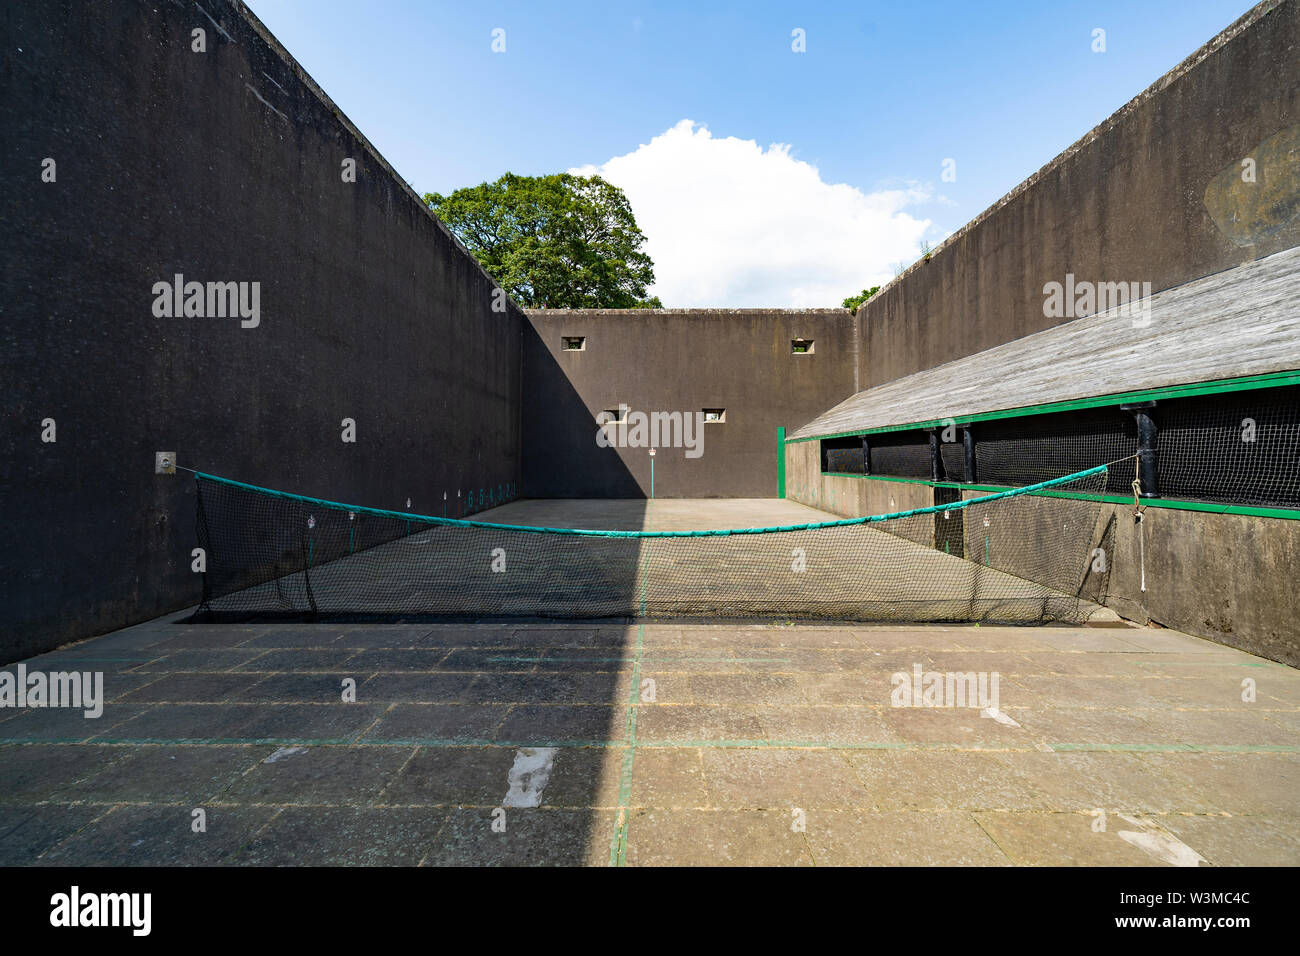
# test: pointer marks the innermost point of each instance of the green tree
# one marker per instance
(553, 242)
(854, 302)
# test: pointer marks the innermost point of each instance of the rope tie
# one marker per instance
(1139, 516)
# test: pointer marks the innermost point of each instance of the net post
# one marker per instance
(936, 457)
(780, 461)
(866, 454)
(968, 447)
(1148, 439)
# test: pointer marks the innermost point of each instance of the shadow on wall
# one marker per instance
(560, 457)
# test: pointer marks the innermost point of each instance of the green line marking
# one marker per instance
(443, 742)
(648, 660)
(1214, 387)
(618, 843)
(90, 660)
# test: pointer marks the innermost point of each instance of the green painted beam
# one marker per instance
(1221, 386)
(780, 462)
(1174, 504)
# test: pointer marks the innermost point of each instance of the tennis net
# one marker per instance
(1020, 556)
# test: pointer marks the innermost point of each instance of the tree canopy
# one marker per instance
(553, 242)
(854, 302)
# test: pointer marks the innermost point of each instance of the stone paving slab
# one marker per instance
(673, 742)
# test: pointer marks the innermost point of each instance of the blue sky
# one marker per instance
(884, 93)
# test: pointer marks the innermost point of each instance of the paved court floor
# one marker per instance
(592, 743)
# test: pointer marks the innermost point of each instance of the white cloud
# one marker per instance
(730, 224)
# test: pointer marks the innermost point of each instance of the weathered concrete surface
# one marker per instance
(225, 165)
(1231, 578)
(637, 514)
(682, 360)
(1154, 194)
(1113, 746)
(747, 726)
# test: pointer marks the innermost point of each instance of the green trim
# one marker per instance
(1211, 507)
(780, 462)
(1220, 386)
(618, 842)
(1173, 504)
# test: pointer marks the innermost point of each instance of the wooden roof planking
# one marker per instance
(1244, 321)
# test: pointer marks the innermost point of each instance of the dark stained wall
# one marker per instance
(669, 360)
(224, 165)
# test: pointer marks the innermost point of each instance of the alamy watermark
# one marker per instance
(209, 300)
(77, 908)
(944, 689)
(1076, 298)
(633, 429)
(24, 688)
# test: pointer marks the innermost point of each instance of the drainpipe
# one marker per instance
(1148, 471)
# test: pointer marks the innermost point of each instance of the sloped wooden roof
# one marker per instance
(1244, 321)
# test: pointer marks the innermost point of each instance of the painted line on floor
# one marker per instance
(618, 842)
(633, 660)
(630, 742)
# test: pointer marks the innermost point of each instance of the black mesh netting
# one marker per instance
(1017, 557)
(1016, 451)
(1241, 447)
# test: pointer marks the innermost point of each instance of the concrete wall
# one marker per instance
(1154, 194)
(223, 166)
(1228, 578)
(676, 360)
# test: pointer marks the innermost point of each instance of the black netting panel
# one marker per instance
(842, 455)
(954, 461)
(901, 454)
(1023, 451)
(1236, 447)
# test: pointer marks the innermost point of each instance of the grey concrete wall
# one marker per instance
(223, 166)
(1154, 194)
(675, 360)
(1228, 578)
(850, 497)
